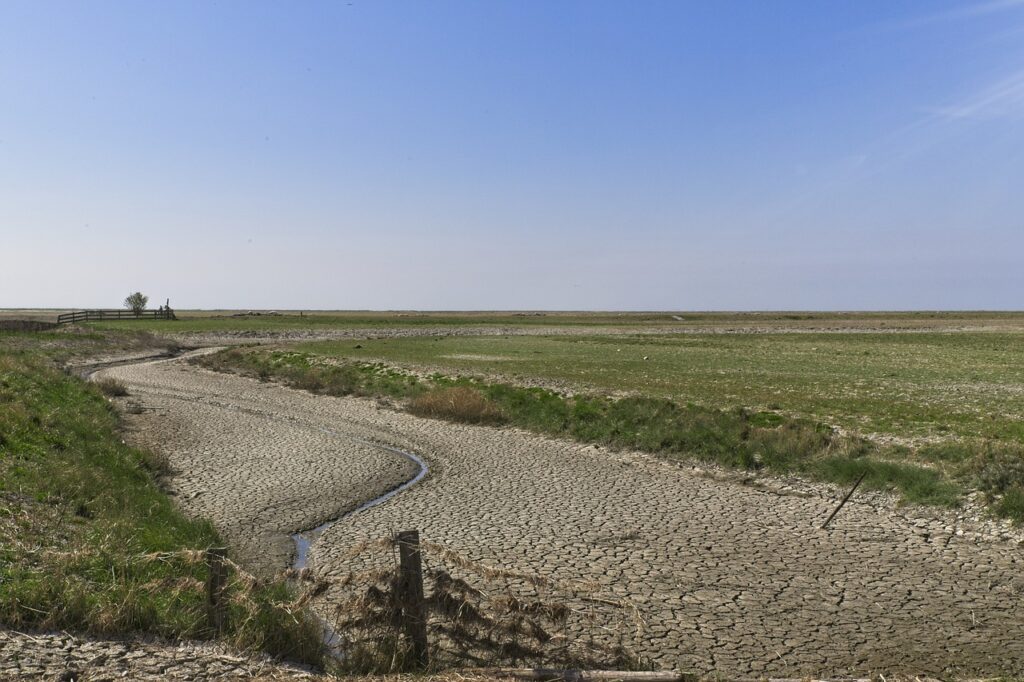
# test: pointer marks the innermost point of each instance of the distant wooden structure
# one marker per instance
(163, 313)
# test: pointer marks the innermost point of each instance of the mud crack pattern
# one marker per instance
(729, 579)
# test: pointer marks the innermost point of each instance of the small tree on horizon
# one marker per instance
(136, 302)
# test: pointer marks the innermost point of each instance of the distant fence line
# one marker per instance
(91, 315)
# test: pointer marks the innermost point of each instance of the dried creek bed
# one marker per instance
(730, 579)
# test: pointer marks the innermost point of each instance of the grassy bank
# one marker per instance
(91, 543)
(936, 473)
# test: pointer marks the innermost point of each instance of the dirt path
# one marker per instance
(730, 579)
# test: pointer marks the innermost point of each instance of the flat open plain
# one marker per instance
(730, 579)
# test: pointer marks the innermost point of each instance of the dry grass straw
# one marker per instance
(479, 615)
(458, 404)
(112, 388)
(249, 598)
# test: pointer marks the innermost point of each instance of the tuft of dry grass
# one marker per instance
(478, 615)
(158, 463)
(459, 404)
(112, 388)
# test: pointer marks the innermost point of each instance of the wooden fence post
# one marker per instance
(410, 586)
(216, 581)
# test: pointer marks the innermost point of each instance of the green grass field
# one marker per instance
(912, 385)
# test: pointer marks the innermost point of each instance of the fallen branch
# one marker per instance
(845, 499)
(552, 675)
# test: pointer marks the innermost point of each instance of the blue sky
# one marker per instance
(513, 155)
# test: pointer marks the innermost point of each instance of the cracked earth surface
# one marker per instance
(729, 579)
(60, 656)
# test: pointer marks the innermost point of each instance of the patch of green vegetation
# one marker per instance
(736, 437)
(922, 385)
(296, 369)
(91, 543)
(917, 484)
(953, 452)
(1011, 505)
(1000, 475)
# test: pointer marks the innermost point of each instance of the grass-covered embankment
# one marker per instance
(912, 386)
(90, 542)
(737, 438)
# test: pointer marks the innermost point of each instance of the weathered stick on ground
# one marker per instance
(845, 499)
(552, 675)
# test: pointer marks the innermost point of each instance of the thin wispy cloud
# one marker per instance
(1003, 99)
(967, 12)
(937, 126)
(1000, 100)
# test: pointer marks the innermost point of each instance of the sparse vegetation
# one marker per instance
(924, 386)
(736, 438)
(111, 387)
(475, 618)
(1000, 475)
(230, 320)
(295, 369)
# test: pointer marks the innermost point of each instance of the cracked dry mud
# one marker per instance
(60, 656)
(731, 580)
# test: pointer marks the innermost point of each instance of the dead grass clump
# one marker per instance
(457, 404)
(478, 615)
(158, 463)
(112, 387)
(151, 340)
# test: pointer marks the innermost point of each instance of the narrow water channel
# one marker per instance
(304, 540)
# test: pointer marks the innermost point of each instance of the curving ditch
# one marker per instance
(304, 539)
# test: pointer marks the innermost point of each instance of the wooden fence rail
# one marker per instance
(90, 315)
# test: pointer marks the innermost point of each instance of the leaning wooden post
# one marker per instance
(410, 586)
(845, 500)
(216, 581)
